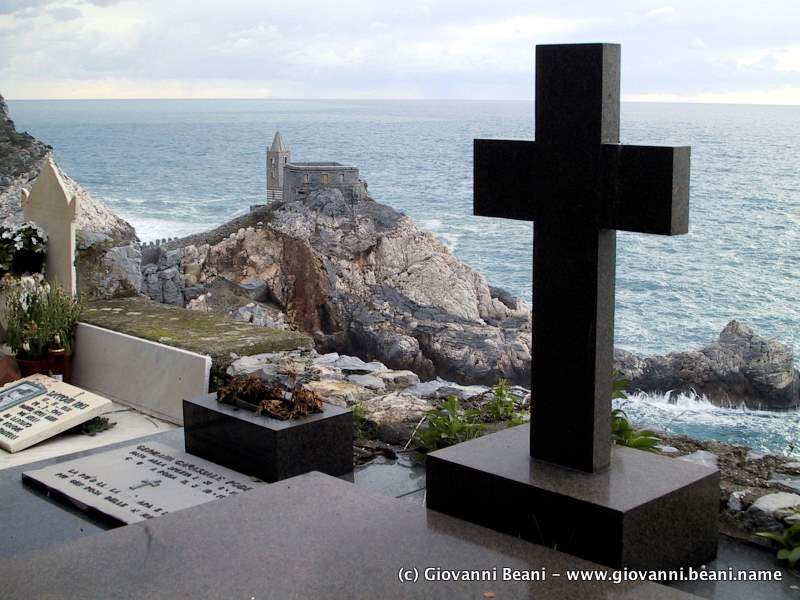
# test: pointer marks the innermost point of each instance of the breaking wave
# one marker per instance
(696, 416)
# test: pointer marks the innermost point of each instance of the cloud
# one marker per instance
(122, 88)
(784, 95)
(661, 11)
(351, 48)
(30, 7)
(789, 60)
(418, 11)
(786, 59)
(8, 7)
(697, 44)
(64, 13)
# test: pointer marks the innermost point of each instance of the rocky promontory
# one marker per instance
(358, 276)
(362, 279)
(21, 158)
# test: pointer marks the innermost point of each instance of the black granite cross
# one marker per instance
(578, 185)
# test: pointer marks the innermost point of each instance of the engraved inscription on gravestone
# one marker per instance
(39, 407)
(140, 482)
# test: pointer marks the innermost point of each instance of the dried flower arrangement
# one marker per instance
(249, 391)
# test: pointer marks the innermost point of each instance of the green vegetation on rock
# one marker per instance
(503, 406)
(449, 425)
(452, 425)
(789, 542)
(623, 433)
(363, 428)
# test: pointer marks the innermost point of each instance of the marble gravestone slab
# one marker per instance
(139, 482)
(38, 407)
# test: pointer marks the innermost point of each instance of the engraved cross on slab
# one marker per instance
(146, 482)
(578, 185)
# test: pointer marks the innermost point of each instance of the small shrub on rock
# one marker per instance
(449, 425)
(503, 405)
(623, 432)
(789, 542)
(363, 428)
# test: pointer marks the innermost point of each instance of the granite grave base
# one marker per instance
(312, 536)
(645, 512)
(268, 448)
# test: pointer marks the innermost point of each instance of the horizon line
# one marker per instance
(173, 99)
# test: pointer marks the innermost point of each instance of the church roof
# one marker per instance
(277, 143)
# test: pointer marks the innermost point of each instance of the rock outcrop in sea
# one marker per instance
(21, 158)
(740, 367)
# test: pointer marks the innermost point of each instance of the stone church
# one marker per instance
(290, 181)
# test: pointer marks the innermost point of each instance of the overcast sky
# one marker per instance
(699, 50)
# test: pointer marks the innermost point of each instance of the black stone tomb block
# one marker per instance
(268, 448)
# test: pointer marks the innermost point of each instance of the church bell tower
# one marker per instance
(277, 159)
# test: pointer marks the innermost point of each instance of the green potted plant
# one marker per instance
(41, 326)
(63, 311)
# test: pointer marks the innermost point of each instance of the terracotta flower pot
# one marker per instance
(60, 364)
(32, 366)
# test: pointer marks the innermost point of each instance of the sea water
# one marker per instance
(173, 167)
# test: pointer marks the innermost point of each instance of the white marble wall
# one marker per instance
(148, 376)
